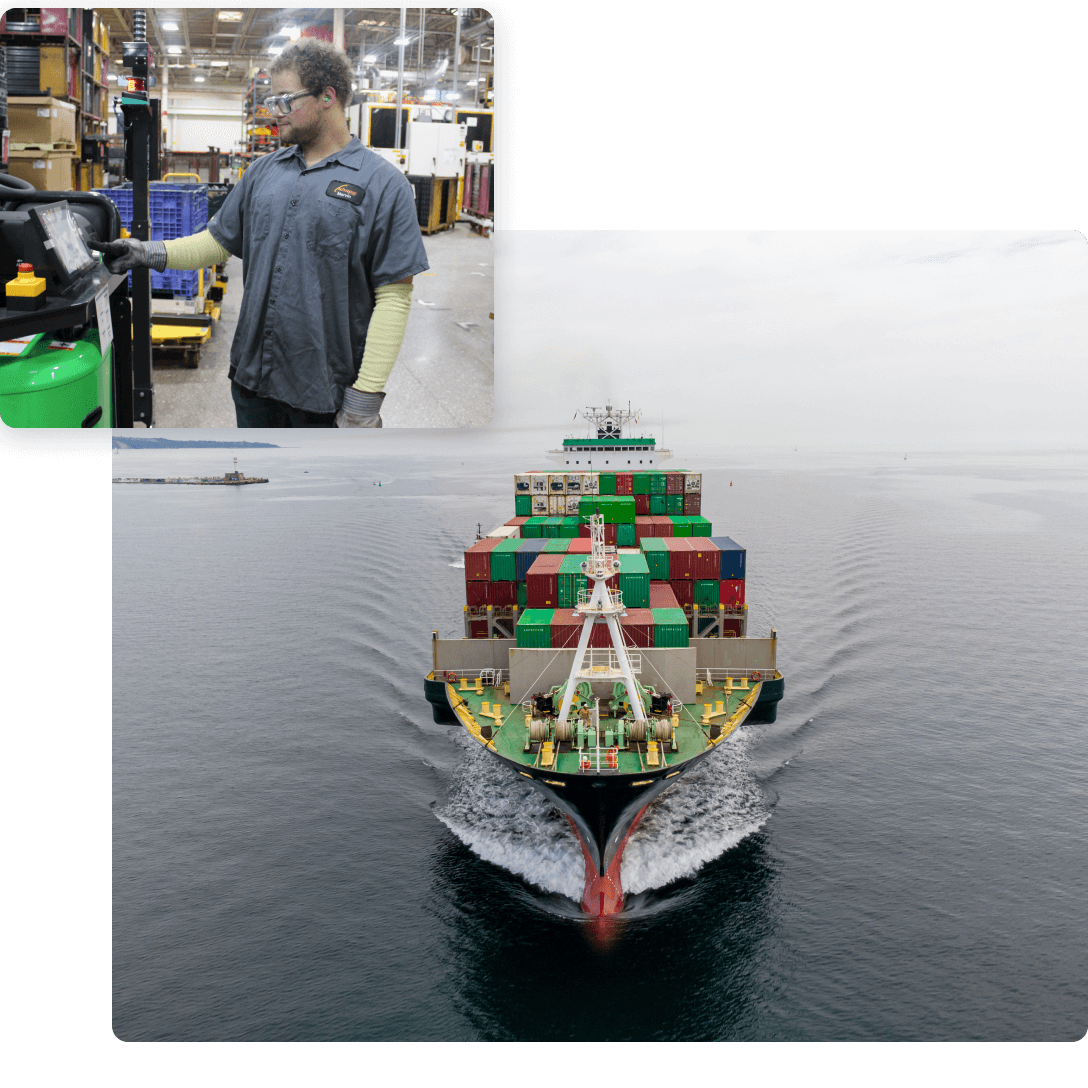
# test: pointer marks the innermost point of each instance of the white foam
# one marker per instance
(458, 564)
(509, 823)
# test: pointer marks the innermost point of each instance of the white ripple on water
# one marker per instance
(508, 823)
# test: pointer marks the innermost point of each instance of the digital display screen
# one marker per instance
(62, 239)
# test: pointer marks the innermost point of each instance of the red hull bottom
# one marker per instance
(603, 894)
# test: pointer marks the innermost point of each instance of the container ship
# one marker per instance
(233, 479)
(606, 648)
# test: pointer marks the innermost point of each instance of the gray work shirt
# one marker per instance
(315, 242)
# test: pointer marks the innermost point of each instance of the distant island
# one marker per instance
(176, 444)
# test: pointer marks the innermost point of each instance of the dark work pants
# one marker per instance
(254, 411)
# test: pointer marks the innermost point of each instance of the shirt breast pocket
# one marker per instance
(332, 236)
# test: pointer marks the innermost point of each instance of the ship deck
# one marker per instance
(724, 704)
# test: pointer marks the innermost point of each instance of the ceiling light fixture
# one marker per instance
(220, 63)
(230, 16)
(403, 41)
(174, 50)
(169, 26)
(198, 79)
(275, 50)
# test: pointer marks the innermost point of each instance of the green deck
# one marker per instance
(692, 736)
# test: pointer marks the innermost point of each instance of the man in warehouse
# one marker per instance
(329, 241)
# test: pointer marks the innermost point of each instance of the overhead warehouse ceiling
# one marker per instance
(218, 48)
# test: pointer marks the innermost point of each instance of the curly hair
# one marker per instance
(318, 65)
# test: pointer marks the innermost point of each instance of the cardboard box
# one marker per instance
(41, 120)
(43, 169)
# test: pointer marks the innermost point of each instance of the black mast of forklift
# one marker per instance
(141, 137)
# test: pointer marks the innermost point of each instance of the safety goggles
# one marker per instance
(280, 104)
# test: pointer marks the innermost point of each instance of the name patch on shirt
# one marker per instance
(345, 190)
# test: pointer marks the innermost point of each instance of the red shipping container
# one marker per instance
(566, 628)
(625, 483)
(674, 483)
(731, 593)
(502, 594)
(684, 591)
(643, 527)
(707, 562)
(519, 522)
(477, 628)
(542, 582)
(580, 546)
(692, 505)
(662, 525)
(681, 558)
(600, 638)
(609, 533)
(642, 505)
(662, 596)
(731, 628)
(478, 561)
(638, 627)
(477, 594)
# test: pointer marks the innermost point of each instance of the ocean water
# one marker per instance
(300, 852)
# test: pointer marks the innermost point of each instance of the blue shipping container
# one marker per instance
(527, 555)
(733, 555)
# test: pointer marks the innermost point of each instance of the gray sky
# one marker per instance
(827, 338)
(767, 340)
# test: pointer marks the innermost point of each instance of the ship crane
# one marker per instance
(601, 602)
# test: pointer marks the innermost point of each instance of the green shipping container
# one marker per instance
(681, 526)
(571, 580)
(699, 525)
(625, 535)
(633, 581)
(620, 510)
(551, 527)
(502, 560)
(706, 591)
(533, 528)
(640, 484)
(608, 483)
(558, 546)
(523, 505)
(523, 595)
(658, 483)
(534, 629)
(569, 529)
(674, 504)
(587, 505)
(659, 505)
(670, 627)
(657, 558)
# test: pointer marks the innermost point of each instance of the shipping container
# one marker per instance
(527, 555)
(638, 627)
(551, 527)
(662, 526)
(674, 483)
(557, 506)
(640, 483)
(477, 628)
(541, 587)
(523, 505)
(684, 588)
(540, 506)
(502, 594)
(518, 521)
(580, 546)
(706, 592)
(681, 526)
(659, 505)
(731, 592)
(700, 526)
(670, 627)
(573, 504)
(591, 483)
(706, 561)
(644, 527)
(693, 483)
(538, 483)
(681, 558)
(477, 594)
(733, 557)
(658, 483)
(566, 628)
(557, 483)
(573, 483)
(620, 510)
(606, 483)
(503, 567)
(674, 504)
(533, 528)
(633, 580)
(624, 483)
(569, 529)
(662, 596)
(534, 628)
(600, 638)
(478, 560)
(523, 484)
(570, 580)
(521, 594)
(556, 546)
(693, 504)
(642, 505)
(625, 535)
(657, 557)
(504, 532)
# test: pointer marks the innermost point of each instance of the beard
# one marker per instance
(301, 134)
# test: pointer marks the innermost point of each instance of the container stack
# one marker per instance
(528, 571)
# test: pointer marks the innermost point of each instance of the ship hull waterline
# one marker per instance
(602, 809)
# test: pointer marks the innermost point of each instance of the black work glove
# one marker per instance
(360, 409)
(128, 253)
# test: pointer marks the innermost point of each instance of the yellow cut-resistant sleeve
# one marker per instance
(197, 251)
(384, 335)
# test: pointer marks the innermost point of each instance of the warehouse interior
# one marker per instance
(69, 79)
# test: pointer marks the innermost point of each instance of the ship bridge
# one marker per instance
(608, 448)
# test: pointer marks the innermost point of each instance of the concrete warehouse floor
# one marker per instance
(445, 373)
